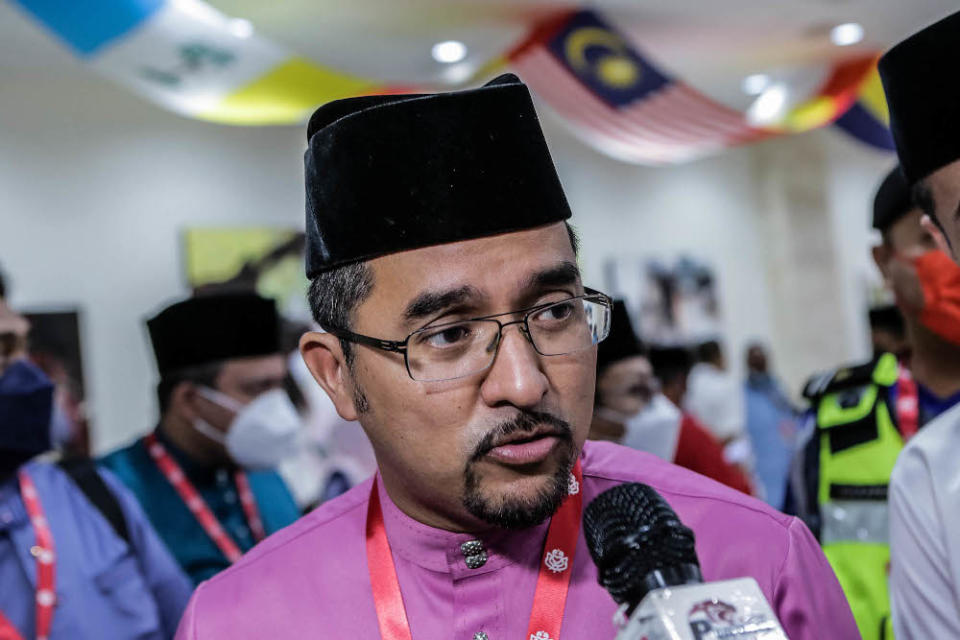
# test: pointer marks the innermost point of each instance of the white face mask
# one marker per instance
(655, 429)
(262, 434)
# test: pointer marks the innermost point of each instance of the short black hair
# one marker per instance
(3, 286)
(709, 351)
(202, 375)
(670, 363)
(335, 294)
(923, 198)
(887, 318)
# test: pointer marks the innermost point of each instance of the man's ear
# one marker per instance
(324, 357)
(931, 227)
(183, 400)
(881, 256)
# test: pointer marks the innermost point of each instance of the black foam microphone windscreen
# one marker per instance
(638, 542)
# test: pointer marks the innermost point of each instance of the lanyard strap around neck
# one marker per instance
(7, 630)
(198, 506)
(43, 551)
(553, 583)
(908, 404)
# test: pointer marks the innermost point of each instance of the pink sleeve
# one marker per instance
(808, 599)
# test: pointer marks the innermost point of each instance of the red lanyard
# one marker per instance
(7, 630)
(191, 497)
(43, 551)
(908, 404)
(549, 599)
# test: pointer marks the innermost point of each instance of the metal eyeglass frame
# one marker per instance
(400, 346)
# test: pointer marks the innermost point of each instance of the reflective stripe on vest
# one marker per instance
(854, 521)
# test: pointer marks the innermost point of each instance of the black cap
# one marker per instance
(390, 173)
(214, 328)
(892, 201)
(919, 81)
(622, 342)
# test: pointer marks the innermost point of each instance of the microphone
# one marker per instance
(646, 559)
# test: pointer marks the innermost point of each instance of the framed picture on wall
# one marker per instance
(268, 260)
(672, 302)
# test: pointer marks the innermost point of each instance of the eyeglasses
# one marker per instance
(466, 347)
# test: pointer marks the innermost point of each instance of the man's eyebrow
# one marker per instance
(430, 303)
(565, 273)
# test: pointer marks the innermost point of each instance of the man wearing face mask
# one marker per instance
(925, 486)
(205, 475)
(78, 557)
(630, 409)
(864, 414)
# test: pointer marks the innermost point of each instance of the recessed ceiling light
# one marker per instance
(769, 107)
(241, 28)
(846, 34)
(754, 84)
(449, 52)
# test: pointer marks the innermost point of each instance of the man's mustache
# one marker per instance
(524, 422)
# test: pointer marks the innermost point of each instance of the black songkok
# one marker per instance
(208, 329)
(389, 173)
(892, 201)
(919, 79)
(622, 343)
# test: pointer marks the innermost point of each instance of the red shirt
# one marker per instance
(699, 451)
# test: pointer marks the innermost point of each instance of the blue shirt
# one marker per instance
(196, 552)
(772, 425)
(106, 588)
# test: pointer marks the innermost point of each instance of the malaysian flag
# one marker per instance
(620, 103)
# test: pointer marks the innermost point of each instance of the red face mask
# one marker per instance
(940, 280)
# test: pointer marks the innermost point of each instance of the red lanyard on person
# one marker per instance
(43, 551)
(198, 507)
(7, 630)
(908, 404)
(550, 596)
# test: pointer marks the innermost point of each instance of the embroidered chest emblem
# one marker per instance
(557, 561)
(573, 487)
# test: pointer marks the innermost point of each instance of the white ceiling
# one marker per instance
(711, 43)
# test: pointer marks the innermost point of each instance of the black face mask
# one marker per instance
(26, 407)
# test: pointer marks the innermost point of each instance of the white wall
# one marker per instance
(854, 174)
(707, 209)
(96, 185)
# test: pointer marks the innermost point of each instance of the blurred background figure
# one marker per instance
(772, 425)
(630, 409)
(78, 557)
(888, 333)
(860, 416)
(715, 399)
(13, 330)
(70, 432)
(206, 474)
